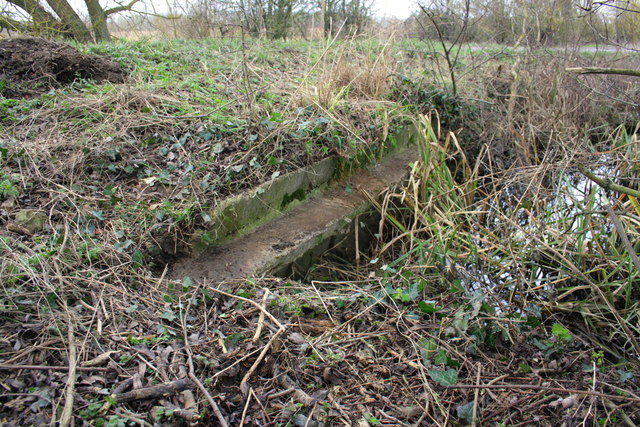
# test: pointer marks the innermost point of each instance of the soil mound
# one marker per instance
(31, 66)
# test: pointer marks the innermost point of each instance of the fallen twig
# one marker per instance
(246, 407)
(133, 418)
(623, 236)
(607, 183)
(243, 384)
(255, 304)
(474, 415)
(609, 404)
(53, 368)
(244, 388)
(265, 297)
(185, 414)
(280, 393)
(299, 394)
(155, 391)
(67, 411)
(543, 388)
(99, 360)
(598, 70)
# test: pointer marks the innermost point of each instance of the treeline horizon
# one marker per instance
(508, 22)
(531, 22)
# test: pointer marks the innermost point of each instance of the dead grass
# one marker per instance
(536, 109)
(477, 265)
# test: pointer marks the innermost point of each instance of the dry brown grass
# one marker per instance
(537, 109)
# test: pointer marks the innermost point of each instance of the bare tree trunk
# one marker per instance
(70, 20)
(67, 23)
(98, 20)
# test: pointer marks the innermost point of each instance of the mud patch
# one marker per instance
(31, 66)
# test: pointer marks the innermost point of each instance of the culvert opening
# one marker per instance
(336, 257)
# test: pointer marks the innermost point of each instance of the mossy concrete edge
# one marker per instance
(241, 214)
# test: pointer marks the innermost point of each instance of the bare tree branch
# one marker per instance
(33, 8)
(12, 25)
(593, 6)
(448, 48)
(597, 70)
(121, 8)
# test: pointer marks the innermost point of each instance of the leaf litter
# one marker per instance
(266, 352)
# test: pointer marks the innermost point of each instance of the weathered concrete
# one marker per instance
(245, 212)
(305, 231)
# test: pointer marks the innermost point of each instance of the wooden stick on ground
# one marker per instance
(53, 368)
(160, 390)
(248, 301)
(548, 389)
(265, 297)
(246, 407)
(125, 414)
(67, 412)
(476, 395)
(244, 388)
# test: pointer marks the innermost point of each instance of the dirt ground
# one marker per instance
(31, 66)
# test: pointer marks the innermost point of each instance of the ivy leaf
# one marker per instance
(186, 283)
(561, 333)
(428, 307)
(254, 163)
(427, 349)
(168, 315)
(444, 377)
(98, 214)
(441, 357)
(137, 258)
(624, 375)
(465, 412)
(217, 148)
(122, 246)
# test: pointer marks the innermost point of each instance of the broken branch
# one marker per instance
(160, 390)
(597, 70)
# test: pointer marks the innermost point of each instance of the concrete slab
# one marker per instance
(305, 231)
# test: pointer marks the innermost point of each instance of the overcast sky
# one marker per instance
(394, 8)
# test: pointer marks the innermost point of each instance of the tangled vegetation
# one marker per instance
(503, 288)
